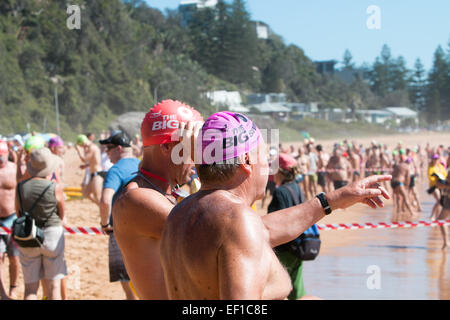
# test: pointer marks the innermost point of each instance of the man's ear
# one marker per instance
(245, 163)
(166, 148)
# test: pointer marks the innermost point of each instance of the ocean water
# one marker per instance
(382, 263)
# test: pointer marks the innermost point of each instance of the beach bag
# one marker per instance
(307, 246)
(25, 231)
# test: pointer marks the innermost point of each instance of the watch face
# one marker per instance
(324, 203)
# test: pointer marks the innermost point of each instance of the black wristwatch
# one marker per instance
(324, 203)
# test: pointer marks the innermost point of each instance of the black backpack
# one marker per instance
(307, 245)
(25, 231)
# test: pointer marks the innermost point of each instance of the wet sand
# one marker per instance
(411, 262)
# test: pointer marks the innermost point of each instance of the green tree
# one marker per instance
(418, 85)
(347, 60)
(438, 97)
(389, 74)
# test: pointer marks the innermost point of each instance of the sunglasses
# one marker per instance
(110, 147)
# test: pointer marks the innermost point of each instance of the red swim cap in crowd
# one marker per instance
(163, 120)
(286, 161)
(3, 147)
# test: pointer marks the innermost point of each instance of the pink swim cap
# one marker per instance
(55, 142)
(227, 135)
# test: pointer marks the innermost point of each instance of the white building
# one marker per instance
(403, 113)
(230, 100)
(199, 3)
(262, 31)
(375, 116)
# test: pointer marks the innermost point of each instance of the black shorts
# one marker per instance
(395, 184)
(431, 190)
(412, 181)
(117, 271)
(339, 184)
(321, 181)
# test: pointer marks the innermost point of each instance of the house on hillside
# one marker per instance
(188, 7)
(325, 67)
(275, 110)
(334, 114)
(349, 76)
(380, 116)
(262, 30)
(374, 116)
(229, 100)
(271, 104)
(400, 114)
(303, 110)
(256, 98)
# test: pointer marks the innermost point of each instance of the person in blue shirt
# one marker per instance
(123, 171)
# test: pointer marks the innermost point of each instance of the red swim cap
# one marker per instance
(163, 120)
(286, 161)
(3, 147)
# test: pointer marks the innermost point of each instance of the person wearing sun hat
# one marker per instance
(32, 143)
(46, 262)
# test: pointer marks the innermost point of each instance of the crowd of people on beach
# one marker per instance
(163, 248)
(350, 162)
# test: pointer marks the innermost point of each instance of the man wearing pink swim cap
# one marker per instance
(214, 246)
(141, 210)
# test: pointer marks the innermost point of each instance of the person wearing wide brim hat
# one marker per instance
(44, 201)
(42, 163)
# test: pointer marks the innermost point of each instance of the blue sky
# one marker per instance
(325, 28)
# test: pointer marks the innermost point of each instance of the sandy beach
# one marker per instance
(411, 262)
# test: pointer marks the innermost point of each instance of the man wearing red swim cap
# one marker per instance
(214, 246)
(140, 212)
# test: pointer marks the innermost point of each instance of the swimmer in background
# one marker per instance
(400, 179)
(303, 164)
(444, 186)
(91, 186)
(435, 171)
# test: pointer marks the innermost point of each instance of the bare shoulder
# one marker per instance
(142, 210)
(236, 219)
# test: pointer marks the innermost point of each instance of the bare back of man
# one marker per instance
(138, 224)
(8, 171)
(217, 226)
(322, 162)
(7, 189)
(93, 189)
(355, 162)
(339, 168)
(400, 179)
